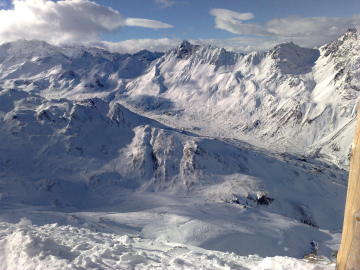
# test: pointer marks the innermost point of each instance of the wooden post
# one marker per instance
(349, 254)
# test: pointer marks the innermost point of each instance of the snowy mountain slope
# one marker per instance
(290, 92)
(182, 146)
(39, 67)
(307, 95)
(77, 156)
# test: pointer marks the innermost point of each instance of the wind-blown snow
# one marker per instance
(26, 246)
(193, 158)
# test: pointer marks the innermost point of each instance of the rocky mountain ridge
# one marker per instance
(307, 95)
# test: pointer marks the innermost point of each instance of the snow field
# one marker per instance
(27, 246)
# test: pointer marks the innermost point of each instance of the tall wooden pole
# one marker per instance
(349, 254)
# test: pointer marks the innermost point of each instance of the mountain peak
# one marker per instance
(185, 44)
(291, 58)
(285, 46)
(186, 49)
(351, 38)
(27, 49)
(30, 45)
(147, 55)
(351, 30)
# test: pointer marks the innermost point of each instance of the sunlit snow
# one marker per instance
(196, 158)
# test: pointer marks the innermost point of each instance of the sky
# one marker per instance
(128, 26)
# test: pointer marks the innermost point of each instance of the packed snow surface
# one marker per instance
(196, 158)
(26, 246)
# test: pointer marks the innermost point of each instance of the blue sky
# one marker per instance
(192, 19)
(128, 26)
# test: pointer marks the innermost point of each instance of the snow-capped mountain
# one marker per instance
(307, 95)
(79, 155)
(196, 146)
(293, 98)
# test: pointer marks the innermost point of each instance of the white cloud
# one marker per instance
(312, 31)
(240, 44)
(226, 14)
(308, 32)
(135, 45)
(65, 21)
(146, 23)
(295, 26)
(232, 22)
(165, 3)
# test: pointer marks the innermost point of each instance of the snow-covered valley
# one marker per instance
(194, 158)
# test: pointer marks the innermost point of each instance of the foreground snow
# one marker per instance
(27, 246)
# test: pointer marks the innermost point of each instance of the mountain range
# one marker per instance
(197, 145)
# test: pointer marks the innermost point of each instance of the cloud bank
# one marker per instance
(60, 22)
(135, 45)
(232, 21)
(308, 32)
(66, 21)
(146, 23)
